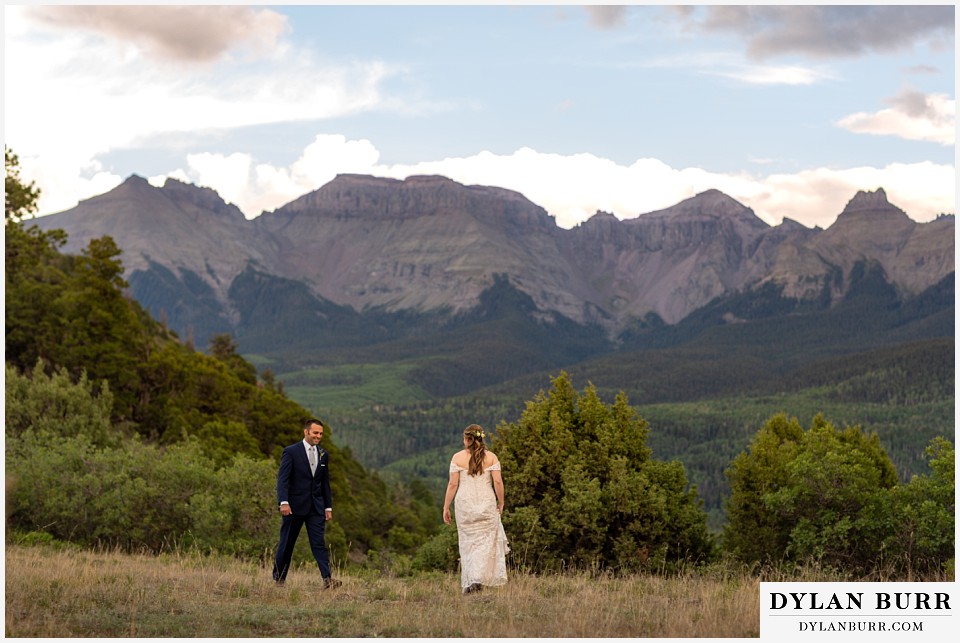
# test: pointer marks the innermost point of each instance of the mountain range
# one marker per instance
(430, 246)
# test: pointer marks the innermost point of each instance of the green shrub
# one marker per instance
(583, 490)
(135, 496)
(922, 521)
(237, 513)
(830, 497)
(439, 553)
(54, 405)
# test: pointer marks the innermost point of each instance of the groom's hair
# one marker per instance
(307, 423)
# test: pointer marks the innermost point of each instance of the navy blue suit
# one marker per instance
(308, 495)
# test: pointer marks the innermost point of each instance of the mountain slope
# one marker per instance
(426, 243)
(428, 247)
(913, 256)
(182, 248)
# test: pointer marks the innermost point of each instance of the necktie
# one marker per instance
(313, 459)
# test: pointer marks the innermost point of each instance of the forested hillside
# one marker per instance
(75, 341)
(903, 393)
(705, 385)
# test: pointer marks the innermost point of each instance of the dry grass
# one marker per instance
(54, 592)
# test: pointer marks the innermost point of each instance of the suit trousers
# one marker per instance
(289, 531)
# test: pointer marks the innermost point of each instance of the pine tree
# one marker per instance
(584, 491)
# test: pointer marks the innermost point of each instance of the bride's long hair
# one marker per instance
(477, 448)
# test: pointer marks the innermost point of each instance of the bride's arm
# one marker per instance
(452, 485)
(498, 488)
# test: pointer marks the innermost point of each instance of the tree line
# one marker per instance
(908, 402)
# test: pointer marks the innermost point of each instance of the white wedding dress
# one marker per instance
(483, 543)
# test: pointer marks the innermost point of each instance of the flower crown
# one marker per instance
(478, 434)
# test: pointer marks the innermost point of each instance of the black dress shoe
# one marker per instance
(330, 583)
(476, 587)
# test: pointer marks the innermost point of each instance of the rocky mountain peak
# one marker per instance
(197, 202)
(791, 225)
(192, 198)
(341, 197)
(715, 200)
(873, 210)
(600, 219)
(430, 181)
(709, 205)
(134, 188)
(135, 180)
(350, 196)
(601, 227)
(865, 200)
(911, 255)
(602, 215)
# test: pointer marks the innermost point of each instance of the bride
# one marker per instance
(476, 482)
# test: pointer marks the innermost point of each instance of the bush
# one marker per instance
(439, 553)
(135, 496)
(582, 489)
(813, 495)
(54, 405)
(237, 514)
(922, 519)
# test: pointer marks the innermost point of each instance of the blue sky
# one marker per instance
(788, 109)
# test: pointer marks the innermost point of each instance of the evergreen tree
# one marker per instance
(224, 348)
(33, 283)
(32, 277)
(914, 525)
(19, 198)
(583, 489)
(100, 328)
(753, 532)
(808, 496)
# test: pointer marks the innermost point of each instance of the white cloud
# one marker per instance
(573, 188)
(256, 188)
(775, 75)
(70, 97)
(733, 67)
(66, 179)
(329, 155)
(228, 175)
(913, 116)
(816, 197)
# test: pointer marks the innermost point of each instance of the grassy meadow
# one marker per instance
(69, 592)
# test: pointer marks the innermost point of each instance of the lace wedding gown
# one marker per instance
(483, 543)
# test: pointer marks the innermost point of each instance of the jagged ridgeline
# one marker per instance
(158, 445)
(364, 261)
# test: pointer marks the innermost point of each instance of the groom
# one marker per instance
(303, 490)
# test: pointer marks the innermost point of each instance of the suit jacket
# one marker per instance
(298, 487)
